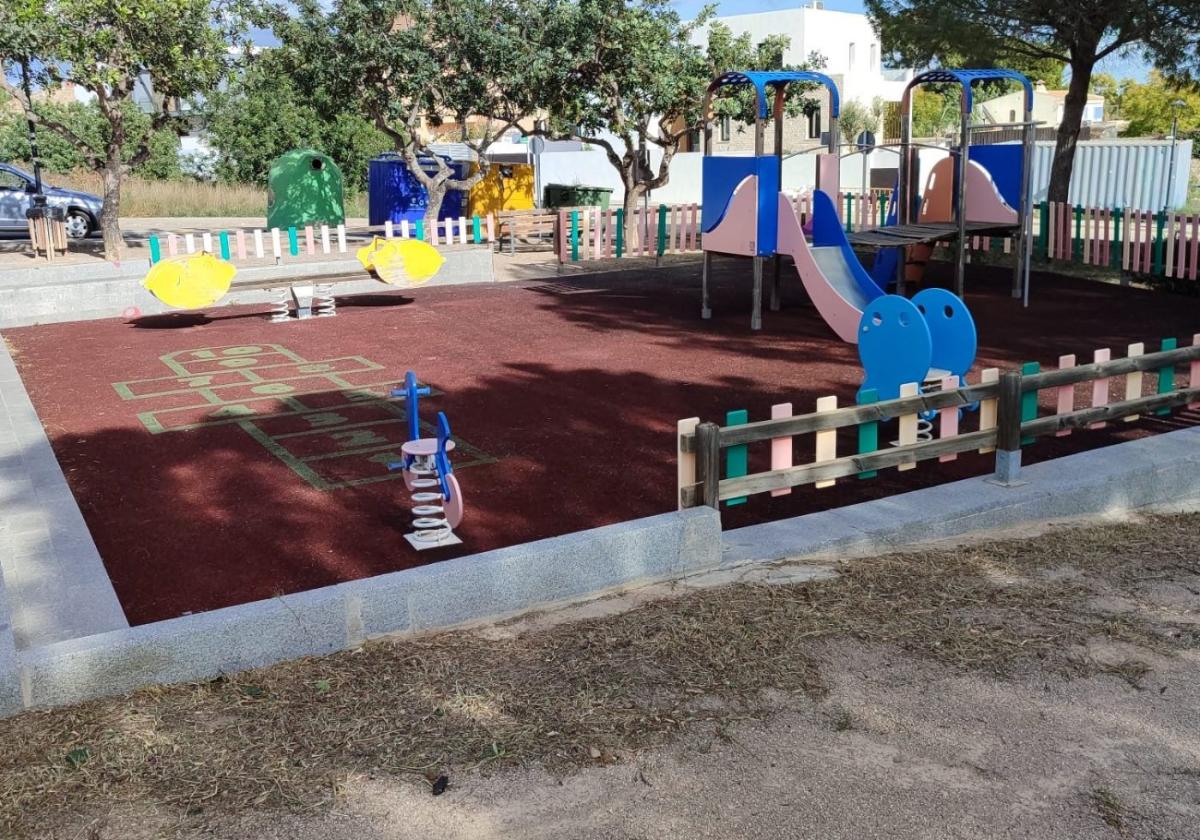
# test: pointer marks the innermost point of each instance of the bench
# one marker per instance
(528, 226)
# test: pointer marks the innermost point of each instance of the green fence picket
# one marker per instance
(224, 244)
(1029, 399)
(293, 242)
(737, 458)
(574, 236)
(849, 206)
(620, 231)
(155, 250)
(1166, 375)
(868, 433)
(476, 233)
(662, 229)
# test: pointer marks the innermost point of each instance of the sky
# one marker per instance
(1132, 67)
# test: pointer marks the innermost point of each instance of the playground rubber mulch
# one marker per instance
(219, 458)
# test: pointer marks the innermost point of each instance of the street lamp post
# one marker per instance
(1176, 106)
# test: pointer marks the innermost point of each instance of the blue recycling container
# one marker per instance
(394, 194)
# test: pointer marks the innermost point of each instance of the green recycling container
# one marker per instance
(592, 197)
(304, 187)
(564, 195)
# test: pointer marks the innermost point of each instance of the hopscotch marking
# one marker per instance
(331, 421)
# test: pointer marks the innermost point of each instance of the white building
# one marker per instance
(850, 47)
(1047, 106)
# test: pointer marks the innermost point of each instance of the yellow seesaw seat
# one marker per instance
(190, 281)
(401, 262)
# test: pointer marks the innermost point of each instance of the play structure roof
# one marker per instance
(761, 78)
(966, 78)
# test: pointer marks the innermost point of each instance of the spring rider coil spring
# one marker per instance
(323, 303)
(281, 305)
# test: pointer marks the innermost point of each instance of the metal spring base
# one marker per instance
(430, 526)
(281, 305)
(323, 303)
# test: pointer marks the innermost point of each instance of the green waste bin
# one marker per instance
(304, 187)
(563, 195)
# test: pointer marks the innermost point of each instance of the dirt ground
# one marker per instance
(1042, 687)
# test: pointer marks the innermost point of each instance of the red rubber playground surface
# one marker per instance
(220, 458)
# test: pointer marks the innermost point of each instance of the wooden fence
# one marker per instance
(293, 243)
(1162, 244)
(933, 425)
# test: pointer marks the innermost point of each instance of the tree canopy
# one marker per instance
(111, 48)
(629, 74)
(1013, 33)
(264, 112)
(457, 69)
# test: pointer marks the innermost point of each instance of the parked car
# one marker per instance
(16, 196)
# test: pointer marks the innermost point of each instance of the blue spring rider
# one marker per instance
(922, 340)
(437, 498)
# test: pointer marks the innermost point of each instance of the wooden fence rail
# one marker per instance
(1008, 418)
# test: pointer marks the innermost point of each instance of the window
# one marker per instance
(814, 125)
(12, 181)
(695, 141)
(850, 66)
(1012, 116)
(874, 57)
(725, 129)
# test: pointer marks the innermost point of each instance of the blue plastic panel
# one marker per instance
(894, 346)
(1003, 163)
(718, 178)
(951, 329)
(767, 169)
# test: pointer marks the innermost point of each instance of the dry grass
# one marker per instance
(596, 690)
(146, 197)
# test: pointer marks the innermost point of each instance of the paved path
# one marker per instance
(57, 587)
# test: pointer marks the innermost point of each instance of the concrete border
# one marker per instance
(57, 583)
(470, 589)
(1147, 473)
(87, 291)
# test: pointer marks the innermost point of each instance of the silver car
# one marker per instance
(16, 196)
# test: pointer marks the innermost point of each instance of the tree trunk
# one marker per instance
(632, 201)
(110, 215)
(1068, 129)
(436, 195)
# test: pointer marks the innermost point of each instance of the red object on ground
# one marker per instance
(563, 396)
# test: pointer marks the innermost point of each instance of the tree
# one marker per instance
(1150, 110)
(58, 154)
(934, 111)
(855, 119)
(263, 113)
(419, 69)
(1009, 32)
(626, 75)
(108, 48)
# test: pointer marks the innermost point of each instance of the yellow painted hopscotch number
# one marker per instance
(331, 421)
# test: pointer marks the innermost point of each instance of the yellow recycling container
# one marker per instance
(507, 186)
